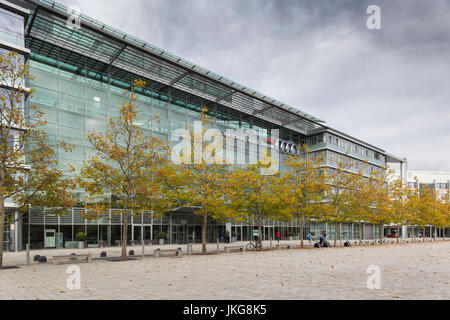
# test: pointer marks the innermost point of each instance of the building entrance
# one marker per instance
(146, 230)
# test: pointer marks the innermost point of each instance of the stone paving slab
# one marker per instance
(409, 271)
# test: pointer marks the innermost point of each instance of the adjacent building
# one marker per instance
(81, 68)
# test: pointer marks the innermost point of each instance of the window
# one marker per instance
(441, 186)
(11, 23)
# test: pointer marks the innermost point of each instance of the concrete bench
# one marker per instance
(72, 258)
(234, 248)
(283, 246)
(168, 252)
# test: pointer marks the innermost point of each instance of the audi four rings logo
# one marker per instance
(285, 147)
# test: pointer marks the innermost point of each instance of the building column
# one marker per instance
(108, 232)
(132, 228)
(404, 232)
(228, 229)
(353, 231)
(17, 246)
(170, 228)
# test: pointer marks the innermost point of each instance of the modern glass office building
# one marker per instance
(81, 71)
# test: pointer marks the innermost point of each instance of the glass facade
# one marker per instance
(80, 76)
(11, 27)
(7, 238)
(76, 104)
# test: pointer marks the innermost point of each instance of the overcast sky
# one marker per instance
(388, 87)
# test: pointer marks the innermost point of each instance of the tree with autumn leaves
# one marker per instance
(307, 186)
(29, 173)
(197, 176)
(342, 183)
(126, 164)
(361, 202)
(258, 198)
(397, 204)
(134, 168)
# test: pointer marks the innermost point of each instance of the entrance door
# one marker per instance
(147, 233)
(180, 236)
(147, 230)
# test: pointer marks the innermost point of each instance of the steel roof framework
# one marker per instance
(111, 48)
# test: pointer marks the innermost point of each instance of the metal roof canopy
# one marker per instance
(87, 67)
(114, 48)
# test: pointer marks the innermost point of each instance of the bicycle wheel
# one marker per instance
(250, 246)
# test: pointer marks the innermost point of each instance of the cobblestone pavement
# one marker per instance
(408, 271)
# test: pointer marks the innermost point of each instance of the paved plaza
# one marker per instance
(408, 271)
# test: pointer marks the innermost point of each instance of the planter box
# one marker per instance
(71, 245)
(161, 242)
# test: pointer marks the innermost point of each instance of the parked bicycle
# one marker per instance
(253, 245)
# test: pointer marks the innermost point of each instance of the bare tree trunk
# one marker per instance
(125, 234)
(302, 221)
(2, 227)
(260, 233)
(360, 233)
(412, 233)
(423, 235)
(381, 233)
(398, 233)
(335, 233)
(204, 224)
(435, 233)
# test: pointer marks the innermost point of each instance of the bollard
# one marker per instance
(189, 249)
(270, 243)
(218, 245)
(28, 254)
(143, 250)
